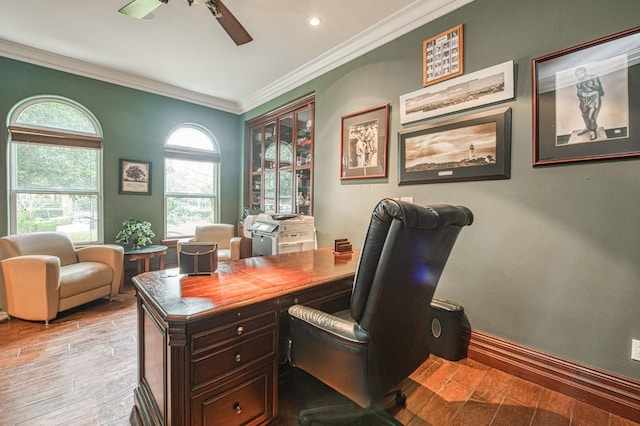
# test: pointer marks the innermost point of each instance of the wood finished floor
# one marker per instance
(81, 370)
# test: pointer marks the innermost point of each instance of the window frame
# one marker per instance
(177, 152)
(20, 133)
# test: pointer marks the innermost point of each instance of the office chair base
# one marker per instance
(347, 414)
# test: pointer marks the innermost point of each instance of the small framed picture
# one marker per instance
(474, 147)
(364, 137)
(135, 177)
(586, 101)
(442, 56)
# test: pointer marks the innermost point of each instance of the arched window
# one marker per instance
(191, 161)
(55, 169)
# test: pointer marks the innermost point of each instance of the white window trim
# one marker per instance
(39, 134)
(192, 154)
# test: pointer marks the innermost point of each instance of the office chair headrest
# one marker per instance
(422, 217)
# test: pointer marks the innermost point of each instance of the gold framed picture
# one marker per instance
(442, 56)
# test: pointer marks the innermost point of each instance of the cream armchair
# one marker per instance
(221, 233)
(43, 274)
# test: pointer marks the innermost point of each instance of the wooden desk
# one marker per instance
(144, 255)
(208, 345)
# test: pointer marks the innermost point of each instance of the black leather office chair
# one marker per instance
(364, 352)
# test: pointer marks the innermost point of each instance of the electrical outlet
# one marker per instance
(635, 349)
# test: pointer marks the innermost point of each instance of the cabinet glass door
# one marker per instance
(256, 186)
(256, 150)
(270, 191)
(303, 138)
(303, 191)
(285, 173)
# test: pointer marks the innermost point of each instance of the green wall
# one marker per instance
(135, 125)
(553, 258)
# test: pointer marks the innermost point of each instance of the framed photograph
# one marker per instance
(442, 56)
(364, 137)
(135, 177)
(482, 87)
(586, 101)
(474, 147)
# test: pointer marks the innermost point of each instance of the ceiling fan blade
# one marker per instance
(231, 25)
(141, 8)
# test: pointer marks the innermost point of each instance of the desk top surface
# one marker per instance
(242, 282)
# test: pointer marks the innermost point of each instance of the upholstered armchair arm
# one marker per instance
(337, 326)
(234, 244)
(32, 286)
(110, 254)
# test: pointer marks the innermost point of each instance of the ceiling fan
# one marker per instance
(141, 8)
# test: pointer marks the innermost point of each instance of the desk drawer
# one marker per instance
(315, 296)
(246, 400)
(229, 359)
(232, 331)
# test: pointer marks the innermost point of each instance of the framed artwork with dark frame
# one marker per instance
(442, 56)
(586, 101)
(473, 147)
(135, 177)
(363, 143)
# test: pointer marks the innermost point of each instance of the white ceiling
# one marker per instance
(183, 52)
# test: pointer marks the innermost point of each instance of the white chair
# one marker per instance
(221, 233)
(43, 274)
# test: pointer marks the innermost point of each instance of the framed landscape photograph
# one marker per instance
(474, 147)
(364, 139)
(135, 177)
(479, 88)
(442, 56)
(586, 101)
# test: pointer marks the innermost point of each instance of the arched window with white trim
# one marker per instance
(55, 169)
(192, 157)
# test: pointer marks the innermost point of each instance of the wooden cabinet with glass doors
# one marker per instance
(281, 159)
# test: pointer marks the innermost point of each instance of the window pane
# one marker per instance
(189, 177)
(190, 137)
(76, 215)
(184, 213)
(41, 167)
(56, 115)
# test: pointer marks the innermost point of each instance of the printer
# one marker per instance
(282, 233)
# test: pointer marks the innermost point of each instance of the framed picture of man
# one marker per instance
(586, 101)
(364, 137)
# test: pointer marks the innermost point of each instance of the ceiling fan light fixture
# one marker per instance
(314, 21)
(214, 9)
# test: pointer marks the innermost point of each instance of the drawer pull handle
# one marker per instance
(237, 408)
(239, 330)
(238, 358)
(296, 301)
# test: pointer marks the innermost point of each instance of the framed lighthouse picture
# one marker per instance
(474, 147)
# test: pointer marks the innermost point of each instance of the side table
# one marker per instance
(144, 255)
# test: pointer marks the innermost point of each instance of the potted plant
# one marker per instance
(134, 231)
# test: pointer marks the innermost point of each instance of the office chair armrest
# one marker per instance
(343, 328)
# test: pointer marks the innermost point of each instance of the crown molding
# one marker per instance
(54, 61)
(407, 19)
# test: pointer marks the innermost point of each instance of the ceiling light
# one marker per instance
(314, 21)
